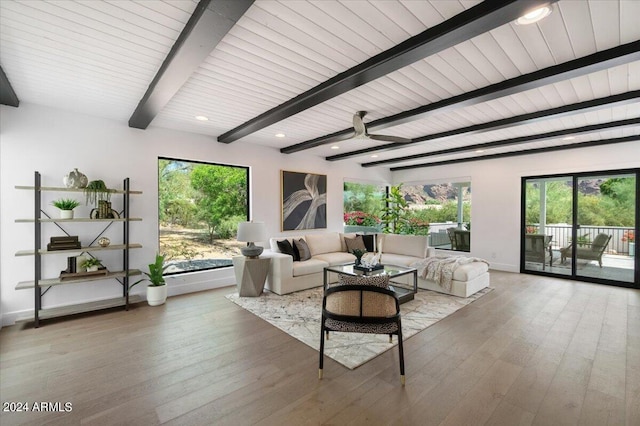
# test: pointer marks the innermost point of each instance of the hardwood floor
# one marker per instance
(535, 351)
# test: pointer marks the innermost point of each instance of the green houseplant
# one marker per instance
(66, 206)
(394, 215)
(157, 288)
(95, 191)
(91, 264)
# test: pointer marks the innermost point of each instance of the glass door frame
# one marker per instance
(575, 177)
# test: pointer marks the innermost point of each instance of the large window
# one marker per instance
(199, 207)
(442, 211)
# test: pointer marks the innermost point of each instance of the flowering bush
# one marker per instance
(629, 236)
(361, 219)
(531, 229)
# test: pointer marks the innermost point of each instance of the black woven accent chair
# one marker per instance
(368, 306)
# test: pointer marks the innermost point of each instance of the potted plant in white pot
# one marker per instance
(157, 288)
(91, 264)
(66, 206)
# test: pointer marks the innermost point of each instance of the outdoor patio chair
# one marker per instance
(463, 239)
(537, 248)
(361, 304)
(452, 238)
(588, 251)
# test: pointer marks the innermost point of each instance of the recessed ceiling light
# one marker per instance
(479, 150)
(374, 156)
(280, 135)
(335, 147)
(534, 16)
(568, 138)
(201, 118)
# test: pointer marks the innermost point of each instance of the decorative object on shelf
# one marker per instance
(250, 232)
(104, 242)
(66, 206)
(157, 288)
(75, 179)
(95, 191)
(71, 265)
(91, 264)
(67, 242)
(358, 253)
(372, 261)
(304, 200)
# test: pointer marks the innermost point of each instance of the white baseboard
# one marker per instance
(177, 284)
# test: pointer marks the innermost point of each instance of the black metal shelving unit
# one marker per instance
(42, 286)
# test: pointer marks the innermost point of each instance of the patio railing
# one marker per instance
(562, 236)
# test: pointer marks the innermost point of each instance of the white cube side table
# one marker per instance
(251, 275)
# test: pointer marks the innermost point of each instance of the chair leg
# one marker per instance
(327, 334)
(391, 338)
(320, 365)
(401, 353)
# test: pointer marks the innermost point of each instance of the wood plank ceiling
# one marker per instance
(99, 58)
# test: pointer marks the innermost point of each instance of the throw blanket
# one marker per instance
(440, 268)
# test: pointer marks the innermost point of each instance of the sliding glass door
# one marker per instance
(581, 226)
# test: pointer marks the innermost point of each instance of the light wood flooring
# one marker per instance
(535, 351)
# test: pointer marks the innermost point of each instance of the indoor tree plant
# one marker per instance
(157, 287)
(66, 206)
(394, 215)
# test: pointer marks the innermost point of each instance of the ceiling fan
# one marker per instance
(361, 131)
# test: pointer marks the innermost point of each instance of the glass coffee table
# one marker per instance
(404, 293)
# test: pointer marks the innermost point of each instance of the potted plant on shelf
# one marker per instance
(66, 206)
(157, 287)
(97, 193)
(91, 264)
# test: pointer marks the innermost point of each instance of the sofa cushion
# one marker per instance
(285, 247)
(469, 271)
(303, 249)
(273, 242)
(328, 242)
(355, 243)
(337, 258)
(409, 245)
(343, 245)
(398, 259)
(306, 267)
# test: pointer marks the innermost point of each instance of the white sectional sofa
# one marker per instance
(329, 248)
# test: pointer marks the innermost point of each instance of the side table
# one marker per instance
(251, 275)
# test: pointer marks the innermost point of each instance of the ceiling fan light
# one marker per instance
(534, 15)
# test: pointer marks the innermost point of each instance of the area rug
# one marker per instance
(298, 314)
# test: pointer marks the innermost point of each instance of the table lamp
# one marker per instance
(250, 232)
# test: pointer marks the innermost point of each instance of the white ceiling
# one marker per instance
(98, 57)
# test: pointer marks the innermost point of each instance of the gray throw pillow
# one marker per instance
(355, 243)
(303, 249)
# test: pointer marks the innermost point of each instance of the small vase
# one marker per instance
(93, 268)
(75, 179)
(104, 242)
(66, 214)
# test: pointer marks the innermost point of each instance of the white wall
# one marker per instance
(53, 142)
(495, 191)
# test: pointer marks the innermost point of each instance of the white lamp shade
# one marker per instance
(252, 231)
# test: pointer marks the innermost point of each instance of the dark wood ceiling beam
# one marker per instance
(518, 120)
(209, 23)
(477, 20)
(521, 152)
(513, 141)
(578, 67)
(7, 94)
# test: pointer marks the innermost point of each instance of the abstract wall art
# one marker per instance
(304, 200)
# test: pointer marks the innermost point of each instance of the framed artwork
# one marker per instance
(304, 200)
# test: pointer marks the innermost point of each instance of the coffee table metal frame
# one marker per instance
(404, 294)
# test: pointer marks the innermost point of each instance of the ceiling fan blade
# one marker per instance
(358, 124)
(387, 138)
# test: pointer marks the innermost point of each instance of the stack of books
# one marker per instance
(64, 243)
